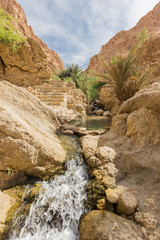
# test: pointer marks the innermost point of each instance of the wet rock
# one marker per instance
(112, 195)
(110, 170)
(101, 204)
(94, 132)
(127, 203)
(146, 219)
(99, 112)
(104, 178)
(93, 162)
(105, 154)
(68, 132)
(104, 225)
(78, 130)
(11, 178)
(89, 145)
(6, 203)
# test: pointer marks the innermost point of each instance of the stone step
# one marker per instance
(51, 89)
(51, 96)
(54, 80)
(52, 100)
(52, 85)
(54, 104)
(51, 92)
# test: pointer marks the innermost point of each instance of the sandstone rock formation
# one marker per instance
(123, 40)
(35, 61)
(134, 135)
(27, 133)
(104, 225)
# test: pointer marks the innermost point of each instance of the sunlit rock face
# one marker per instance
(28, 140)
(124, 40)
(34, 62)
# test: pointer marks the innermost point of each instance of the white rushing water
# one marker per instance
(55, 214)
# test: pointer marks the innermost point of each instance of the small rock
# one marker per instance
(99, 112)
(97, 101)
(94, 132)
(127, 203)
(105, 154)
(112, 195)
(146, 219)
(101, 205)
(110, 170)
(93, 162)
(68, 132)
(107, 113)
(109, 182)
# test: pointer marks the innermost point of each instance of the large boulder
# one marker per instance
(109, 99)
(127, 203)
(89, 145)
(104, 225)
(28, 141)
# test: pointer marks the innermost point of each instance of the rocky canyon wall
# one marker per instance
(34, 61)
(124, 40)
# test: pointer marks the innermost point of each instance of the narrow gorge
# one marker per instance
(79, 150)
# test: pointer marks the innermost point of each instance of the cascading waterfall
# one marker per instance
(55, 214)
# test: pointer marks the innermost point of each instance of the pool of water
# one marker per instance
(93, 122)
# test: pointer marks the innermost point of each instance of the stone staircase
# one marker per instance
(52, 93)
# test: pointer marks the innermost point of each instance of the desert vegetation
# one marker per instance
(89, 84)
(8, 33)
(123, 73)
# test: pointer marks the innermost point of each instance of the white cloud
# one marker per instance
(78, 29)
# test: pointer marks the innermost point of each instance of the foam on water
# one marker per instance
(55, 214)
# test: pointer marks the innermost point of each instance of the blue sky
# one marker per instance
(76, 29)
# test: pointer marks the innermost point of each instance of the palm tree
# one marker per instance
(124, 74)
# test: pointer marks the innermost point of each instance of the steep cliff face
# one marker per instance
(123, 40)
(34, 62)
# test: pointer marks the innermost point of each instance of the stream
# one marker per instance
(55, 214)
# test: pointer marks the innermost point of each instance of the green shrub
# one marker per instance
(89, 85)
(55, 76)
(8, 33)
